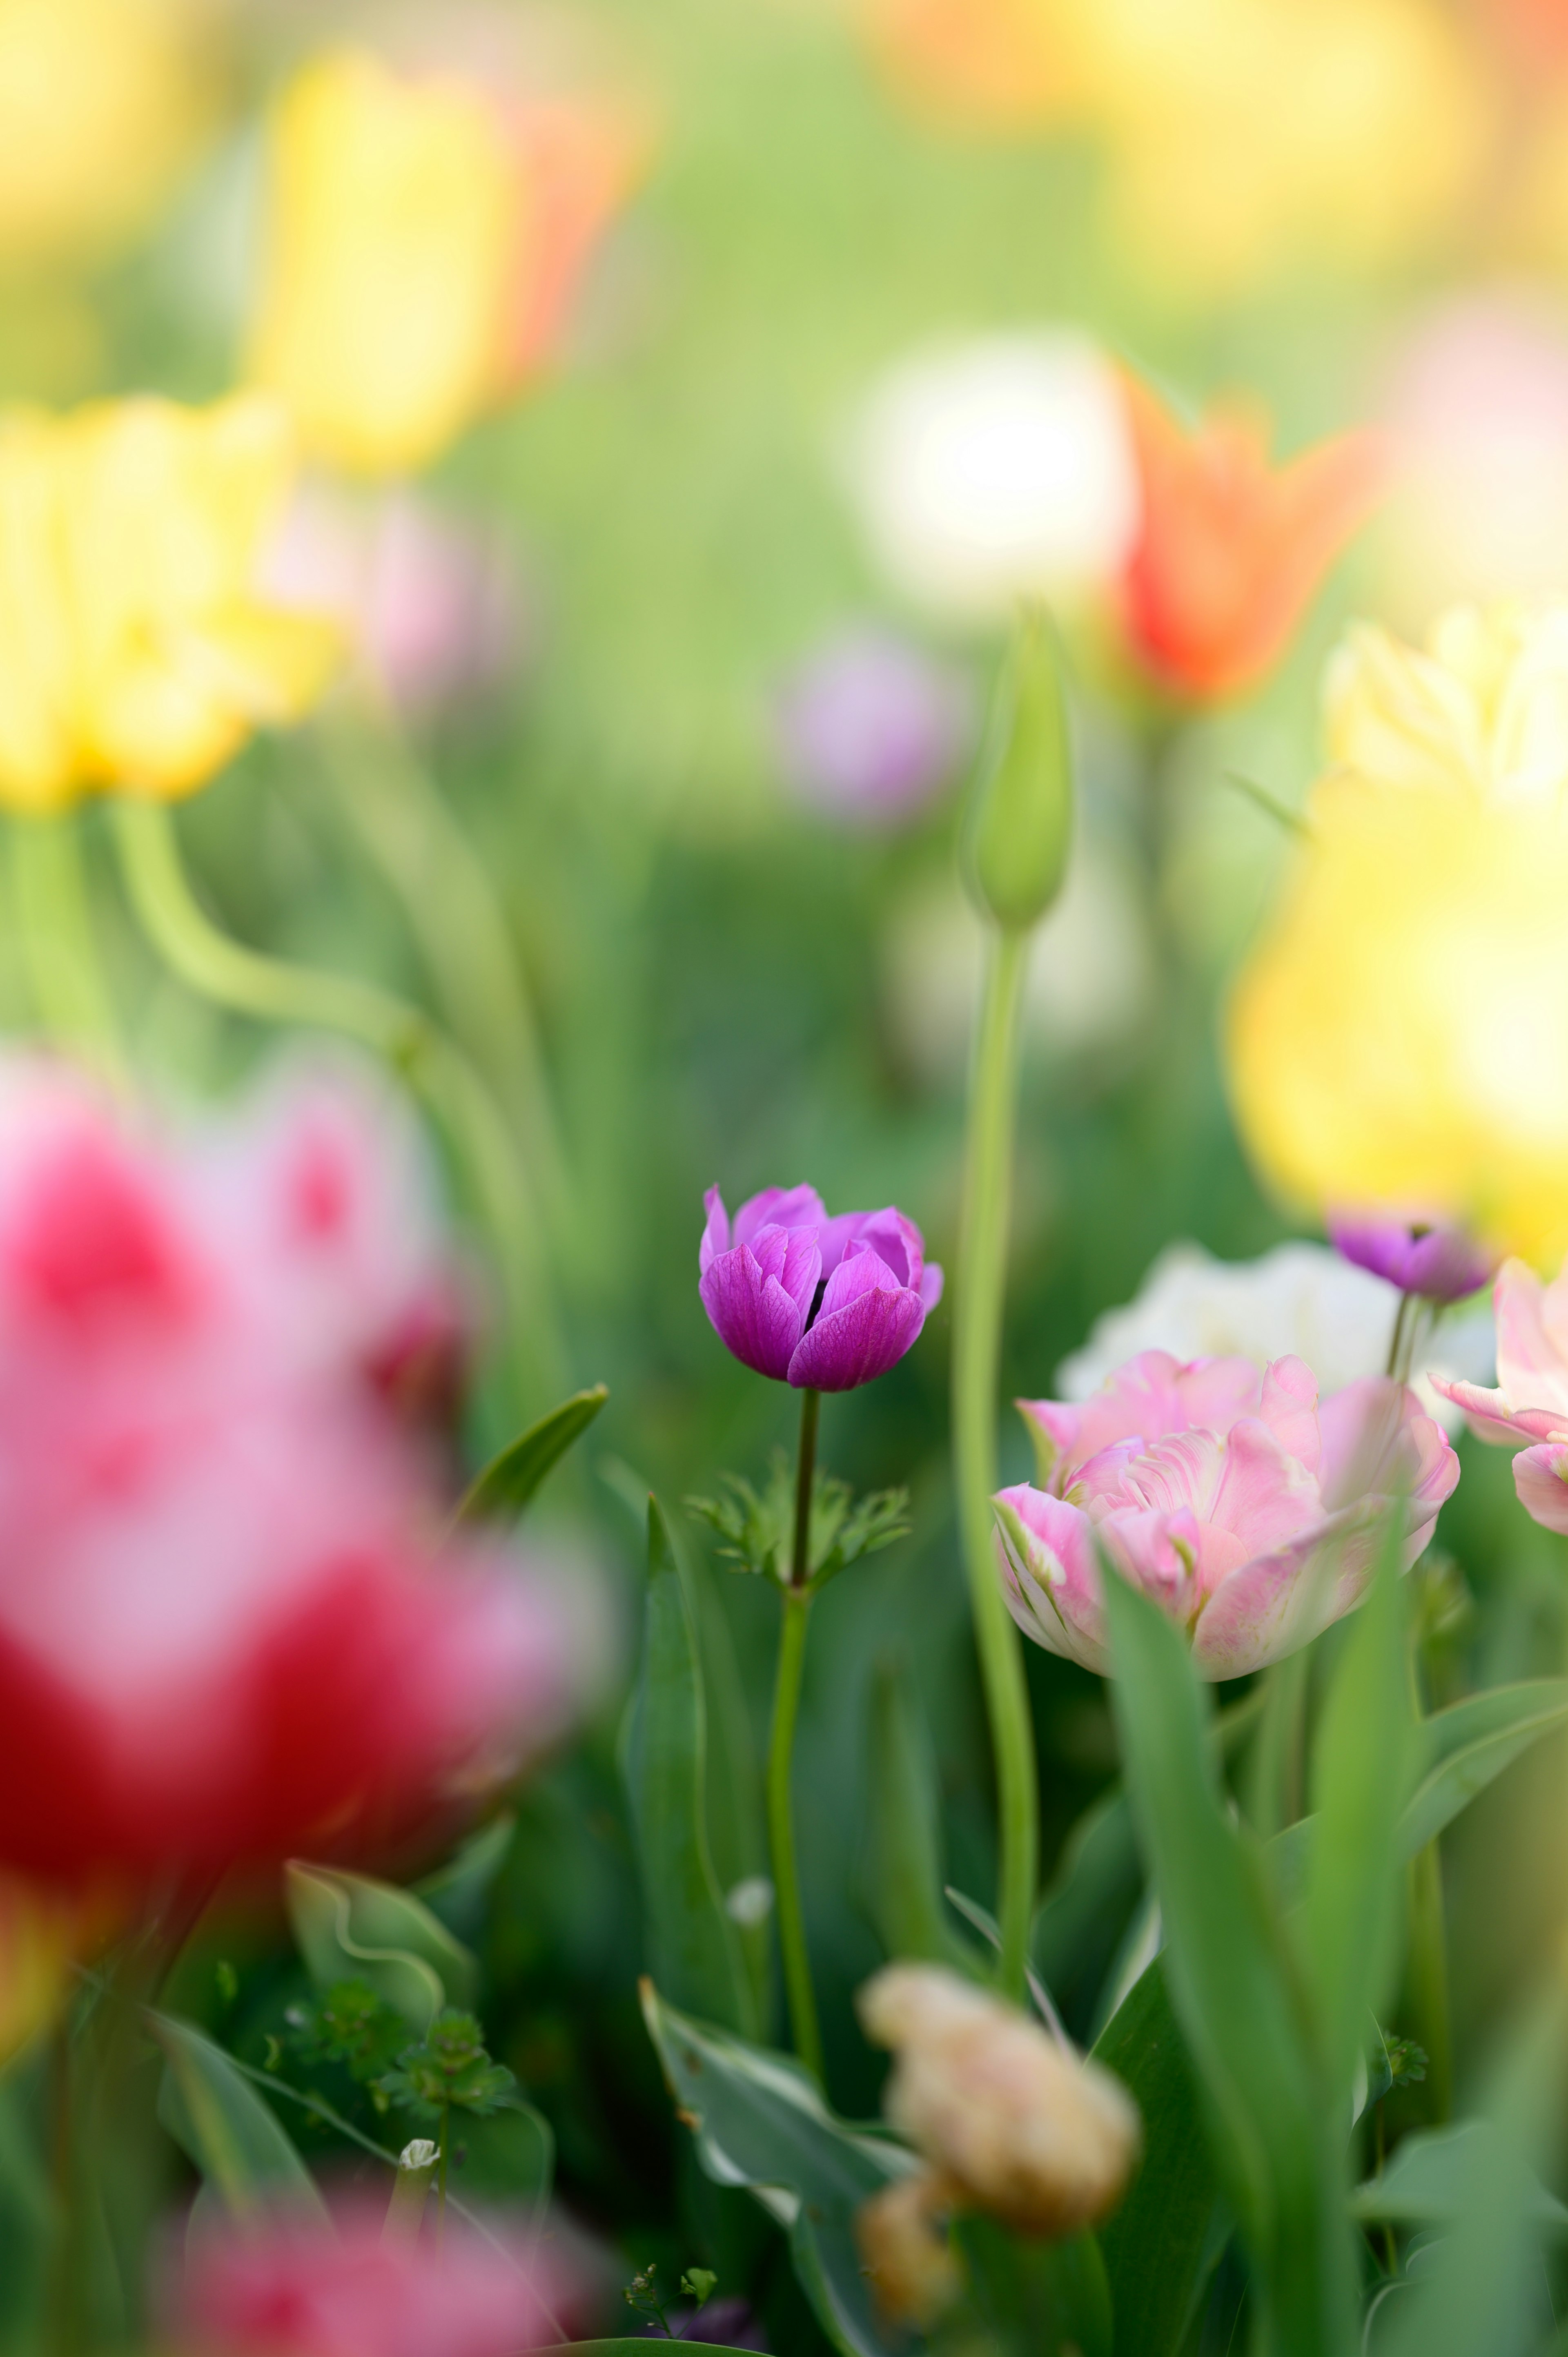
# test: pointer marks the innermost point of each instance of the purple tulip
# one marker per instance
(1441, 1263)
(822, 1304)
(868, 728)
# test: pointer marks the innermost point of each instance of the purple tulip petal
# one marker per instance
(857, 1343)
(779, 1207)
(715, 1235)
(930, 1287)
(1442, 1262)
(791, 1256)
(752, 1314)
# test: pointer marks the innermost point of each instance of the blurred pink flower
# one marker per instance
(303, 2287)
(1251, 1513)
(433, 599)
(1529, 1403)
(1440, 1263)
(225, 1632)
(868, 728)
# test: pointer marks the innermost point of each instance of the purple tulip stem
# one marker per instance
(796, 1603)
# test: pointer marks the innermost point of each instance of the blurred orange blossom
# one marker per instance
(1232, 548)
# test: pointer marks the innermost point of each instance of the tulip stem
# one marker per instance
(59, 945)
(275, 991)
(796, 1599)
(977, 1340)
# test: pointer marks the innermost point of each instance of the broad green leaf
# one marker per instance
(738, 1823)
(1362, 1758)
(903, 1861)
(457, 1892)
(1157, 2244)
(758, 2121)
(1431, 2176)
(1464, 1748)
(507, 2156)
(693, 1946)
(219, 2121)
(351, 1927)
(1082, 1919)
(1230, 1977)
(509, 1480)
(1476, 2293)
(1032, 2298)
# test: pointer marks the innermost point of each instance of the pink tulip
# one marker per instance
(225, 1631)
(1529, 1403)
(1253, 1513)
(301, 2287)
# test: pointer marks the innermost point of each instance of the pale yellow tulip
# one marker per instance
(136, 651)
(1483, 709)
(102, 104)
(1399, 1035)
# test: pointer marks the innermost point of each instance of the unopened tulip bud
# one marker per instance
(905, 2252)
(1018, 830)
(1012, 2122)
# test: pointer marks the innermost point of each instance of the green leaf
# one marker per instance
(507, 2156)
(1156, 2245)
(1363, 1760)
(736, 1819)
(1033, 2300)
(509, 1480)
(1464, 1748)
(1272, 2131)
(221, 2123)
(456, 1893)
(758, 2121)
(640, 2347)
(1478, 2290)
(760, 1525)
(1431, 2177)
(903, 1862)
(351, 1927)
(693, 1944)
(1082, 1922)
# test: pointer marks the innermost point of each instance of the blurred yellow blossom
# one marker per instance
(135, 653)
(1484, 708)
(422, 237)
(102, 104)
(1398, 1035)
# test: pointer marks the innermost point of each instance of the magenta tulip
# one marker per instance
(822, 1304)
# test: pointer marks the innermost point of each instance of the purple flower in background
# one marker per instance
(869, 728)
(1441, 1263)
(822, 1304)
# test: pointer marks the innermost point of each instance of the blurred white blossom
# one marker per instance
(997, 468)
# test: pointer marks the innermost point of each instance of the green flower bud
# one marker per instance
(1018, 825)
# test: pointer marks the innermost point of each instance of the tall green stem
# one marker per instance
(798, 1988)
(977, 1341)
(273, 991)
(59, 943)
(406, 825)
(1426, 1967)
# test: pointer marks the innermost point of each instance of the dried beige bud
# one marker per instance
(1015, 2123)
(905, 2253)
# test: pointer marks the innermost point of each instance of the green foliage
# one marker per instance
(758, 2120)
(903, 1875)
(224, 2127)
(1157, 2244)
(449, 2070)
(351, 1927)
(759, 1526)
(692, 1942)
(350, 2024)
(1028, 2298)
(509, 1481)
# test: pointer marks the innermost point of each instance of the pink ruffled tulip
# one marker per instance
(822, 1304)
(1529, 1409)
(225, 1632)
(1250, 1512)
(301, 2287)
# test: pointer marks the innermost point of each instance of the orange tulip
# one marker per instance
(1232, 548)
(1000, 63)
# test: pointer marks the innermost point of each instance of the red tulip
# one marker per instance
(1232, 548)
(225, 1633)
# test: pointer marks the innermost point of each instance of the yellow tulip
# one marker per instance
(1483, 709)
(136, 651)
(103, 103)
(1400, 1035)
(421, 238)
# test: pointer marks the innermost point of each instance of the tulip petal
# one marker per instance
(930, 1286)
(1540, 1478)
(779, 1207)
(1532, 1369)
(856, 1343)
(1052, 1588)
(1489, 1416)
(753, 1315)
(715, 1234)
